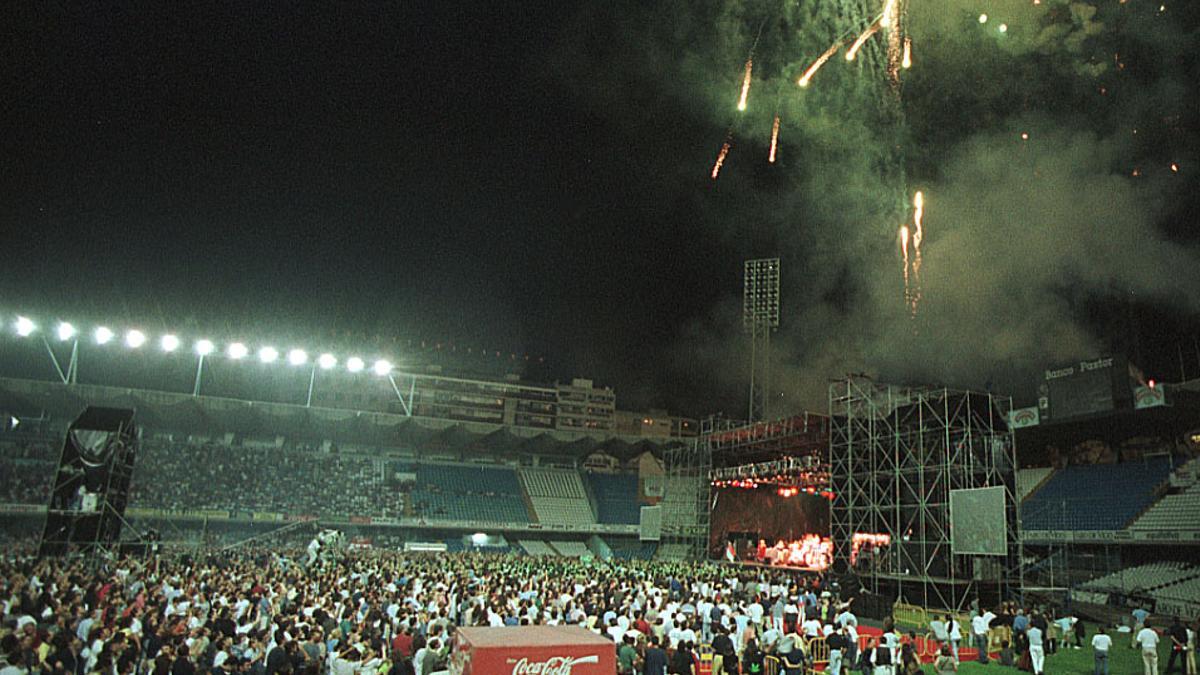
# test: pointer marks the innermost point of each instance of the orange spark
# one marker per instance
(866, 35)
(918, 217)
(1174, 167)
(746, 84)
(816, 65)
(716, 170)
(906, 63)
(774, 140)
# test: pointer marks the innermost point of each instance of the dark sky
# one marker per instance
(528, 178)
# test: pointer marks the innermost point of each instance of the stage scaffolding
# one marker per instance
(895, 454)
(687, 492)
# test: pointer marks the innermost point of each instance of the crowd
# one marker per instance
(265, 613)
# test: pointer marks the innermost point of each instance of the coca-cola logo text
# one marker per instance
(555, 665)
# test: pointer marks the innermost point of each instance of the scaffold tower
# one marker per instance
(895, 455)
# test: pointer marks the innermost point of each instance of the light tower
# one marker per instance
(760, 316)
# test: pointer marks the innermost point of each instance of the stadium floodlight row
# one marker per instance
(235, 351)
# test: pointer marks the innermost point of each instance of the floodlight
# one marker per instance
(135, 339)
(237, 351)
(297, 357)
(205, 347)
(268, 354)
(103, 335)
(382, 368)
(479, 538)
(355, 364)
(25, 326)
(65, 331)
(170, 343)
(326, 361)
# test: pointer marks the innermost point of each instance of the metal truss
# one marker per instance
(895, 454)
(688, 492)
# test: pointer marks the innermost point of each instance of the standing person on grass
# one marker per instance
(1037, 652)
(1101, 644)
(1148, 639)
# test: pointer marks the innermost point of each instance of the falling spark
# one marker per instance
(1174, 167)
(746, 84)
(774, 140)
(816, 65)
(871, 30)
(906, 63)
(918, 217)
(716, 170)
(904, 250)
(889, 12)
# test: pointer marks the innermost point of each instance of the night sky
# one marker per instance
(533, 179)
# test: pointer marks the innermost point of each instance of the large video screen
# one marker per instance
(977, 523)
(1081, 388)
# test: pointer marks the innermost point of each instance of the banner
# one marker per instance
(1020, 418)
(1149, 397)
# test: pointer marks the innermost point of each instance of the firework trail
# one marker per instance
(918, 235)
(774, 140)
(906, 62)
(816, 65)
(716, 170)
(890, 20)
(862, 39)
(746, 84)
(904, 250)
(890, 14)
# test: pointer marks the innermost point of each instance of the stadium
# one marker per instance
(907, 505)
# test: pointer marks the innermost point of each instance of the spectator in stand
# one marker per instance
(1147, 639)
(1179, 641)
(1101, 644)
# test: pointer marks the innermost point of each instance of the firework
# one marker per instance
(816, 65)
(918, 217)
(862, 39)
(906, 62)
(889, 14)
(774, 140)
(716, 170)
(904, 250)
(746, 84)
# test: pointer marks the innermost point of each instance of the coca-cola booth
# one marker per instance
(532, 650)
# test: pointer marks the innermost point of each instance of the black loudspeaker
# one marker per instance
(91, 486)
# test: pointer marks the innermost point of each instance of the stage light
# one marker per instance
(326, 361)
(237, 351)
(169, 343)
(382, 368)
(268, 354)
(355, 364)
(25, 326)
(65, 331)
(103, 335)
(1151, 383)
(135, 339)
(297, 357)
(205, 347)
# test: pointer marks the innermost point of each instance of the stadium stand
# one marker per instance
(469, 493)
(570, 549)
(1142, 577)
(536, 547)
(616, 498)
(558, 497)
(1094, 497)
(1029, 480)
(1173, 510)
(1186, 590)
(632, 549)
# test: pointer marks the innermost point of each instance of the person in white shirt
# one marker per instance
(1037, 651)
(1101, 643)
(979, 631)
(1148, 639)
(955, 633)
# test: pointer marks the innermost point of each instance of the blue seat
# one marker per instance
(1094, 497)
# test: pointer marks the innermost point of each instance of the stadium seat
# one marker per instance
(1094, 497)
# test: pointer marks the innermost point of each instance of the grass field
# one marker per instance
(1121, 661)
